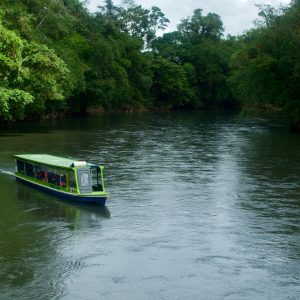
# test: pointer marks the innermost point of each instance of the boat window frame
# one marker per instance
(18, 164)
(61, 172)
(97, 186)
(71, 177)
(84, 187)
(29, 169)
(88, 178)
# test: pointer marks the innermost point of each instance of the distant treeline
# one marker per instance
(57, 57)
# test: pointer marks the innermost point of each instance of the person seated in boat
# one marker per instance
(52, 178)
(42, 175)
(39, 175)
(45, 177)
(62, 181)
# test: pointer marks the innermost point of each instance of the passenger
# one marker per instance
(63, 181)
(50, 177)
(38, 175)
(45, 179)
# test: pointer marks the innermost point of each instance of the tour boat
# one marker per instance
(63, 177)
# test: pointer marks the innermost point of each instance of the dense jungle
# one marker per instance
(57, 58)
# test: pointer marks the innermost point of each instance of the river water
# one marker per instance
(202, 206)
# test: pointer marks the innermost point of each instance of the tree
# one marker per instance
(13, 99)
(170, 85)
(30, 73)
(266, 69)
(199, 43)
(137, 21)
(198, 26)
(47, 80)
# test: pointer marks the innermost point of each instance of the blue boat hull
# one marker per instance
(100, 200)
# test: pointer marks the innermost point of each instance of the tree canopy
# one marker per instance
(265, 70)
(56, 56)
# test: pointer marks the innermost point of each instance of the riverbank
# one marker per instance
(98, 111)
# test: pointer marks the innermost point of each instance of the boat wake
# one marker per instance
(7, 172)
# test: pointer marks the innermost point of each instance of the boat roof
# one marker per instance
(46, 159)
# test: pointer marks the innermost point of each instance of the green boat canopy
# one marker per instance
(49, 160)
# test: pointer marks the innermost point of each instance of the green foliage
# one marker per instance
(198, 44)
(56, 55)
(31, 74)
(170, 84)
(13, 103)
(12, 74)
(265, 70)
(199, 26)
(11, 47)
(47, 77)
(135, 20)
(210, 59)
(98, 60)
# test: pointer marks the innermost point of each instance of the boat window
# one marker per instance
(20, 167)
(96, 179)
(57, 177)
(84, 179)
(72, 182)
(29, 170)
(41, 173)
(53, 178)
(63, 180)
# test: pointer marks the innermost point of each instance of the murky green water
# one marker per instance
(203, 206)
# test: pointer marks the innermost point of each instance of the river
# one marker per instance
(203, 206)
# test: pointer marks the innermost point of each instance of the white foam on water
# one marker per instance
(7, 172)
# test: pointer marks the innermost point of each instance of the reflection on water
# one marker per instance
(75, 214)
(203, 206)
(36, 230)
